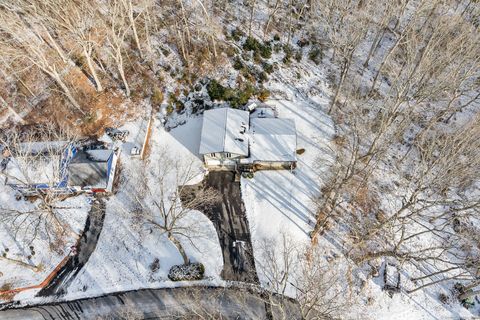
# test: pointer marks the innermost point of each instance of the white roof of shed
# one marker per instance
(33, 170)
(272, 139)
(225, 130)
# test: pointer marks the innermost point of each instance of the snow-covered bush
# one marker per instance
(181, 272)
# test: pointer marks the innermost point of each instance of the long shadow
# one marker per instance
(166, 303)
(280, 209)
(86, 246)
(298, 207)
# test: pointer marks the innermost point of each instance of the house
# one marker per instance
(92, 170)
(224, 138)
(58, 167)
(257, 139)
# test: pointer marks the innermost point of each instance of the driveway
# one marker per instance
(86, 245)
(230, 221)
(172, 303)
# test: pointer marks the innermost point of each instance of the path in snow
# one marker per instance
(86, 246)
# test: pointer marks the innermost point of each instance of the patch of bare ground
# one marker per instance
(102, 109)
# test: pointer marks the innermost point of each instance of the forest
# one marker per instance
(403, 88)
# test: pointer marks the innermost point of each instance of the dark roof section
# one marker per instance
(90, 168)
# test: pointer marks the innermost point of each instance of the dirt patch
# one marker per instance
(100, 109)
(7, 296)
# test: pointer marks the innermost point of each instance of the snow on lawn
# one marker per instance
(281, 202)
(13, 275)
(126, 250)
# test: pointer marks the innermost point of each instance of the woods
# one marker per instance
(61, 50)
(405, 127)
(398, 79)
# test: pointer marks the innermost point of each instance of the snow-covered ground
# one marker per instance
(126, 249)
(277, 203)
(280, 203)
(19, 244)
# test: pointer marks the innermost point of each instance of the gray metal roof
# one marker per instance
(225, 130)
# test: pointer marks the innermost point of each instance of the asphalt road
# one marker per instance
(176, 303)
(85, 248)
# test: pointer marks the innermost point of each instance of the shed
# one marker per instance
(91, 169)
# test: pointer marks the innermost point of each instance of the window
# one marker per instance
(228, 155)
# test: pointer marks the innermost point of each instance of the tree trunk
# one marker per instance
(270, 18)
(179, 248)
(21, 263)
(55, 45)
(184, 17)
(134, 28)
(122, 74)
(343, 75)
(92, 70)
(66, 91)
(252, 11)
(375, 43)
(289, 37)
(382, 64)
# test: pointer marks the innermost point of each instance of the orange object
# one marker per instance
(12, 292)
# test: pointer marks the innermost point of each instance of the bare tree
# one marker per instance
(271, 17)
(278, 261)
(80, 23)
(128, 6)
(117, 30)
(166, 203)
(346, 27)
(252, 5)
(300, 272)
(320, 289)
(33, 166)
(25, 44)
(435, 197)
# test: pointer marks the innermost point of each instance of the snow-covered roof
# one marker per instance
(272, 139)
(33, 170)
(224, 130)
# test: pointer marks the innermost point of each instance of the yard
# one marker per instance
(29, 252)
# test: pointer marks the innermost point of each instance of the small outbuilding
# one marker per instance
(92, 170)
